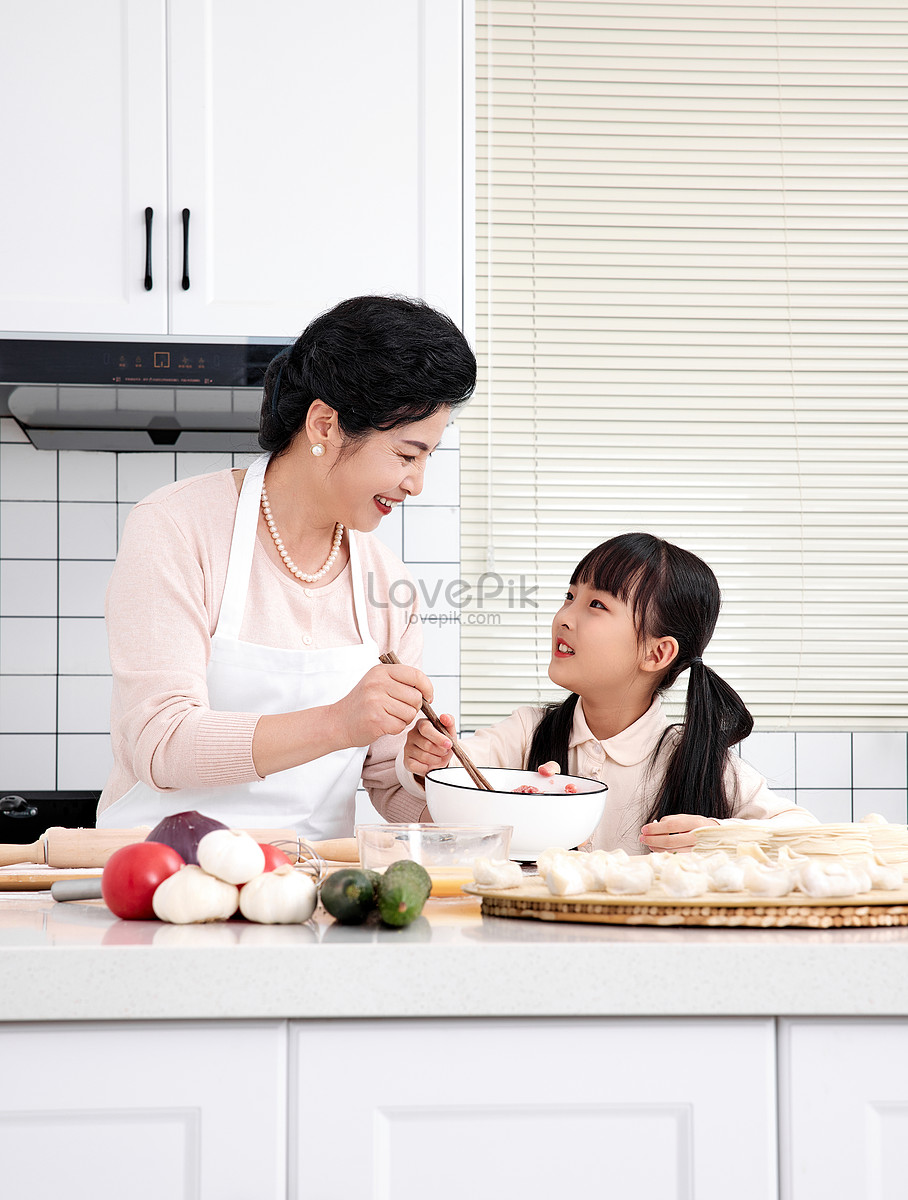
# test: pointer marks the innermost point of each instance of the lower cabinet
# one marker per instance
(843, 1108)
(624, 1108)
(649, 1109)
(136, 1111)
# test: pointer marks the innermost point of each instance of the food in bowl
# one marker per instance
(563, 811)
(447, 851)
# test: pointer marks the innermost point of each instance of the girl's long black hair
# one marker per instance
(671, 593)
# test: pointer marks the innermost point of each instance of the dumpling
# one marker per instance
(834, 879)
(564, 877)
(761, 880)
(629, 878)
(683, 878)
(497, 872)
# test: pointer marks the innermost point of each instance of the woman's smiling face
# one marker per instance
(595, 645)
(373, 476)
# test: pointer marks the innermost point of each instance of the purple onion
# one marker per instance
(183, 832)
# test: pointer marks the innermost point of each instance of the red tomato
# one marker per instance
(131, 875)
(273, 856)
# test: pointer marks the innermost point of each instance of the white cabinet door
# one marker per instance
(318, 149)
(82, 93)
(649, 1109)
(844, 1109)
(164, 1111)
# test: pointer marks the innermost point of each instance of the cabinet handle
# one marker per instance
(185, 249)
(149, 283)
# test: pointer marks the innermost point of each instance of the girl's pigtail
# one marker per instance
(552, 736)
(715, 719)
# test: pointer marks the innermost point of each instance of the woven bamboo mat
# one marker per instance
(535, 902)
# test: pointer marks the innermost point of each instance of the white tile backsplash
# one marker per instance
(28, 587)
(826, 804)
(891, 803)
(201, 464)
(29, 761)
(140, 474)
(441, 646)
(84, 704)
(82, 588)
(83, 760)
(880, 760)
(773, 755)
(88, 475)
(88, 530)
(441, 482)
(28, 704)
(83, 646)
(28, 646)
(28, 529)
(27, 473)
(431, 534)
(823, 760)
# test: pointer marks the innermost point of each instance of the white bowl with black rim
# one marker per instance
(563, 811)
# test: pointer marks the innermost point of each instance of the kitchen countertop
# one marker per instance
(75, 961)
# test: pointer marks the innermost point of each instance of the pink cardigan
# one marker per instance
(162, 608)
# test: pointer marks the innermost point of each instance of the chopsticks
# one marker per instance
(391, 660)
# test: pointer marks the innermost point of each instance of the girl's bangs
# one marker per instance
(628, 567)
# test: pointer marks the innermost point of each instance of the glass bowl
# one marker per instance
(446, 851)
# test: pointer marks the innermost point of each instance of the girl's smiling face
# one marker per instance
(596, 650)
(370, 478)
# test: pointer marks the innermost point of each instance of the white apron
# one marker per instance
(318, 798)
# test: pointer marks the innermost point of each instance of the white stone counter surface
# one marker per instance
(75, 961)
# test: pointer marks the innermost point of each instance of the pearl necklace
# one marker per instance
(288, 561)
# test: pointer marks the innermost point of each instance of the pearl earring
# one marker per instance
(318, 449)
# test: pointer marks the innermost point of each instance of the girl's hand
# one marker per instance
(426, 749)
(384, 701)
(676, 832)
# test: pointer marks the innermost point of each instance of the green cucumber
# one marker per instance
(349, 895)
(402, 891)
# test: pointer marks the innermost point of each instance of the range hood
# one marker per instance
(161, 395)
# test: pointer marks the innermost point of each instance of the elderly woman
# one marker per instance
(244, 653)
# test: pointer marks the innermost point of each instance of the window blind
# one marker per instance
(690, 319)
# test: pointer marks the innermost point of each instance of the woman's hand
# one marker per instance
(675, 832)
(384, 701)
(426, 749)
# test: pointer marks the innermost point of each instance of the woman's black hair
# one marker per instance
(671, 593)
(378, 361)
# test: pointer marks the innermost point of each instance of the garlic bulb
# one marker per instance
(231, 855)
(191, 894)
(284, 896)
(497, 872)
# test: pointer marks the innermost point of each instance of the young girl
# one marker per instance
(639, 611)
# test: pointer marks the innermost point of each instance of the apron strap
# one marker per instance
(359, 596)
(242, 548)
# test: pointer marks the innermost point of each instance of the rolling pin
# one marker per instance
(59, 847)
